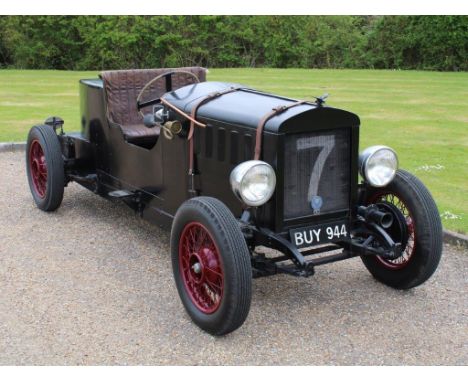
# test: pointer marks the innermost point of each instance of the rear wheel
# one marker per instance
(45, 168)
(422, 252)
(211, 265)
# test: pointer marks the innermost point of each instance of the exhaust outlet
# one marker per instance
(373, 214)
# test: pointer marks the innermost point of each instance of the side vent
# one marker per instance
(224, 145)
(208, 141)
(248, 149)
(234, 138)
(221, 144)
(198, 138)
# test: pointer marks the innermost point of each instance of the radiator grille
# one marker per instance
(317, 173)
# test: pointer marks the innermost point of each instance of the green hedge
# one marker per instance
(109, 42)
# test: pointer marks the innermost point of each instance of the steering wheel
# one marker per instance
(168, 78)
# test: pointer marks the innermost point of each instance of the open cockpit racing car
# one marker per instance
(231, 170)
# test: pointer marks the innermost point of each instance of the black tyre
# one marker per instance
(423, 250)
(44, 166)
(211, 265)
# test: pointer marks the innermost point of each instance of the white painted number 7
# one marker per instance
(326, 144)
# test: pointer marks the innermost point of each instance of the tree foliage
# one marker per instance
(110, 42)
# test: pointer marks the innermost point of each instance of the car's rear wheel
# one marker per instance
(422, 252)
(211, 265)
(45, 168)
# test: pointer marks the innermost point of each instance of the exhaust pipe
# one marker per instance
(373, 214)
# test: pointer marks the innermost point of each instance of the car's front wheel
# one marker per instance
(423, 249)
(211, 265)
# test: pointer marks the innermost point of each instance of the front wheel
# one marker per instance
(423, 250)
(211, 265)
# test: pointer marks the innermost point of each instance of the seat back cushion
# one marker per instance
(123, 86)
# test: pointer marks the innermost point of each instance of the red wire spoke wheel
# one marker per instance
(45, 168)
(409, 250)
(423, 250)
(38, 168)
(201, 267)
(211, 265)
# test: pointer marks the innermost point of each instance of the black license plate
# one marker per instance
(319, 234)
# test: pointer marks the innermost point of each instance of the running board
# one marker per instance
(133, 199)
(120, 194)
(89, 181)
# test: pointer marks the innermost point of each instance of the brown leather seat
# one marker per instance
(121, 88)
(139, 132)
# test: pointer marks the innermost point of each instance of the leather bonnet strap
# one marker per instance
(204, 100)
(261, 124)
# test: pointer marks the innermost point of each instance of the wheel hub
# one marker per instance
(403, 228)
(204, 259)
(197, 268)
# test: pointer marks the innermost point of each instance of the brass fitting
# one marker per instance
(175, 127)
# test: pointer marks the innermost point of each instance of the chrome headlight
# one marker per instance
(378, 165)
(253, 182)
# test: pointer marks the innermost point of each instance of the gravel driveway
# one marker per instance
(92, 284)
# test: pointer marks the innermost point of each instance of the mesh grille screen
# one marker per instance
(317, 173)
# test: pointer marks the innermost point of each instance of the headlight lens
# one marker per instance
(378, 165)
(253, 182)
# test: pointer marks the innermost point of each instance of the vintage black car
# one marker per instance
(233, 171)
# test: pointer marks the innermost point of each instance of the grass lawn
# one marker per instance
(422, 115)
